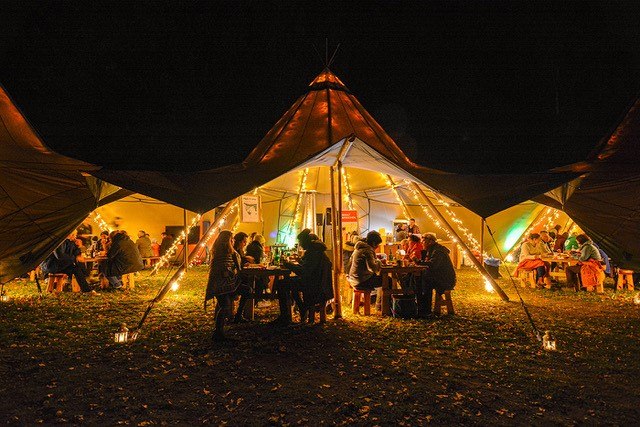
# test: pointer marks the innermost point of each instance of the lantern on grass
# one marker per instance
(3, 296)
(548, 341)
(122, 335)
(636, 299)
(487, 285)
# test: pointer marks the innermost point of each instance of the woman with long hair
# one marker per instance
(223, 281)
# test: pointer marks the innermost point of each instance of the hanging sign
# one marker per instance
(250, 208)
(349, 216)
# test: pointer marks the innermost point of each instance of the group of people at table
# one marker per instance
(115, 254)
(311, 286)
(545, 251)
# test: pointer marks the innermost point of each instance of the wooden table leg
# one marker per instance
(249, 309)
(386, 294)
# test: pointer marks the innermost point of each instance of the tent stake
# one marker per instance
(470, 254)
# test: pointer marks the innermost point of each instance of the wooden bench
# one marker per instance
(443, 299)
(361, 299)
(625, 278)
(527, 276)
(56, 282)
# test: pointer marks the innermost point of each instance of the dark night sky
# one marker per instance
(478, 86)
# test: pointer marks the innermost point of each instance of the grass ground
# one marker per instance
(58, 362)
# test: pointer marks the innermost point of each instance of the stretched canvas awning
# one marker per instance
(605, 203)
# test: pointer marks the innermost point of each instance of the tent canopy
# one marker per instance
(312, 131)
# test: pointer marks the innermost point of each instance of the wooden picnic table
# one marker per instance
(390, 276)
(251, 273)
(565, 261)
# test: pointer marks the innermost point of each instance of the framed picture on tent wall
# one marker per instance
(250, 208)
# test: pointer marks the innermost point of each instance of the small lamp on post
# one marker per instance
(548, 341)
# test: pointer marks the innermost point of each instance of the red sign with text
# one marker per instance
(349, 216)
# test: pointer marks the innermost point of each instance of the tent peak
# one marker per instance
(327, 80)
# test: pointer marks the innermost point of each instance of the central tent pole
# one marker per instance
(466, 249)
(185, 250)
(336, 250)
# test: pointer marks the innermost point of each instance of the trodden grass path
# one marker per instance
(58, 362)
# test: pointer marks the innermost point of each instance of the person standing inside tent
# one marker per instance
(530, 259)
(224, 281)
(239, 244)
(365, 266)
(558, 245)
(143, 243)
(413, 227)
(589, 270)
(122, 258)
(440, 274)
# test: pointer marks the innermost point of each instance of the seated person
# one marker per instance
(240, 241)
(365, 266)
(255, 250)
(589, 269)
(67, 259)
(530, 253)
(558, 245)
(545, 238)
(439, 275)
(122, 258)
(414, 249)
(313, 272)
(571, 243)
(102, 244)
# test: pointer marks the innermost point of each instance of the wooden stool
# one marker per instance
(357, 301)
(443, 299)
(527, 276)
(56, 282)
(128, 281)
(625, 277)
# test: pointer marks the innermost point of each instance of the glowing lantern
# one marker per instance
(174, 286)
(548, 342)
(636, 299)
(4, 297)
(122, 335)
(487, 285)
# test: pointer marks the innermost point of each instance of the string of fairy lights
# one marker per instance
(166, 258)
(394, 190)
(348, 197)
(97, 218)
(302, 183)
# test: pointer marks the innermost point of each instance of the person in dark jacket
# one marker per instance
(165, 243)
(122, 258)
(223, 282)
(144, 244)
(439, 275)
(311, 270)
(255, 250)
(66, 259)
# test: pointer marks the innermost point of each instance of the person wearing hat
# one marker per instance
(439, 275)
